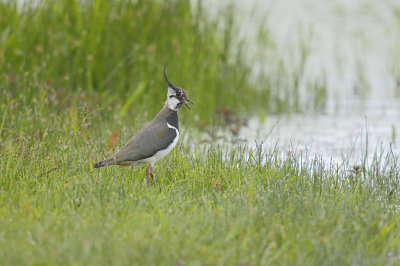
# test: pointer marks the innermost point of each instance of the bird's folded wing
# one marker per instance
(146, 143)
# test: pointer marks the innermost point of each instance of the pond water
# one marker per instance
(354, 45)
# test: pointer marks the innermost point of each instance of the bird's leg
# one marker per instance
(147, 174)
(152, 174)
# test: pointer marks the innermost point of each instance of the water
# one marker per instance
(354, 46)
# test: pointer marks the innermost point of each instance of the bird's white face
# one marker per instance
(175, 98)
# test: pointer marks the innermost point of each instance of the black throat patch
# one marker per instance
(172, 118)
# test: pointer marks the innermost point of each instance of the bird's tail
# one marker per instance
(98, 165)
(107, 162)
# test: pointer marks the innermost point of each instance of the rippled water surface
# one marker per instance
(354, 45)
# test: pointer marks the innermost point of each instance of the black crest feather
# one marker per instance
(169, 83)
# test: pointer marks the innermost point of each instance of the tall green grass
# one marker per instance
(74, 71)
(114, 52)
(109, 49)
(209, 207)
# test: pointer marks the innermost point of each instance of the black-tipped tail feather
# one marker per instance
(99, 164)
(107, 162)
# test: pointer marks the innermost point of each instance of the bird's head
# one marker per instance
(176, 97)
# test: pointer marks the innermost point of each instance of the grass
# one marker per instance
(115, 51)
(209, 207)
(74, 79)
(205, 209)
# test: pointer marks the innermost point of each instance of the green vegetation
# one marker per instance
(209, 207)
(116, 50)
(74, 77)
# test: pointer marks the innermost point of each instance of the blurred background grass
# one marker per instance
(111, 54)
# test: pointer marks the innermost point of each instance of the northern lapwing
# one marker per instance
(156, 139)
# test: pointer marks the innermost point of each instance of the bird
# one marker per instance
(156, 139)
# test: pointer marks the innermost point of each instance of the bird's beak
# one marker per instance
(189, 102)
